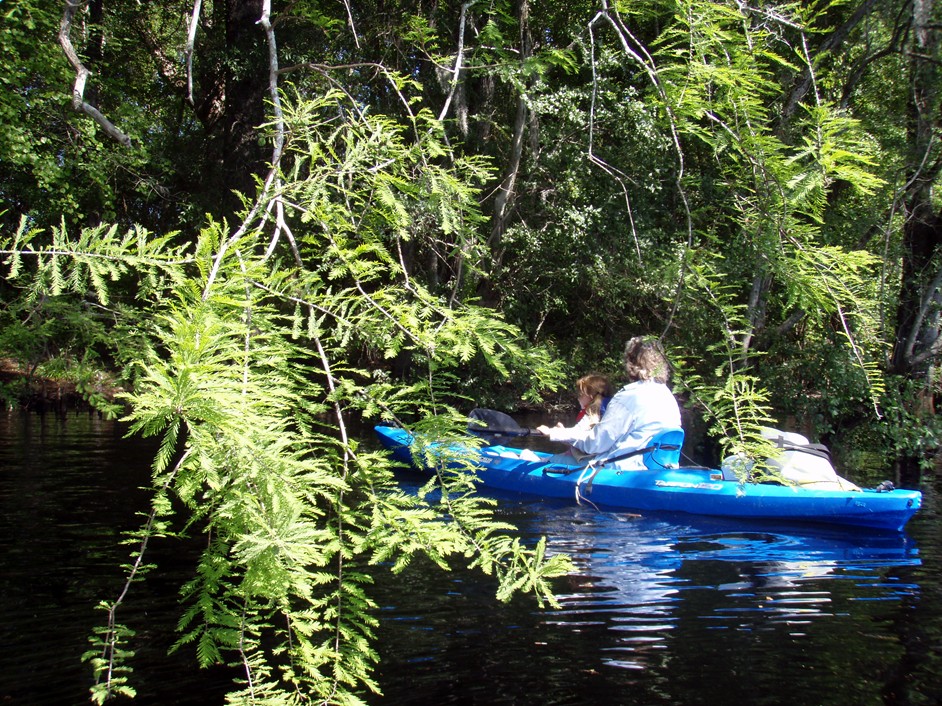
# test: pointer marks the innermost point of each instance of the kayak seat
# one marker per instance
(663, 451)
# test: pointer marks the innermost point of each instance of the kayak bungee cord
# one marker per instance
(579, 496)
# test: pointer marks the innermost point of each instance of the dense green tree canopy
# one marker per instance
(272, 219)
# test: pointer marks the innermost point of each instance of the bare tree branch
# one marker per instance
(279, 121)
(616, 174)
(628, 43)
(81, 76)
(188, 51)
(927, 307)
(459, 58)
(834, 43)
(504, 199)
(272, 184)
(353, 28)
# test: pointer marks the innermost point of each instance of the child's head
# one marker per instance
(592, 389)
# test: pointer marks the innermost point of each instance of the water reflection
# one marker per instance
(634, 575)
(663, 610)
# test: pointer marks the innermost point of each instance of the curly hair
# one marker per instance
(645, 360)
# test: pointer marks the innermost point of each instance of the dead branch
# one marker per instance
(188, 51)
(81, 76)
(636, 51)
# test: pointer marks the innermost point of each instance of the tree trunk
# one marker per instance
(503, 203)
(917, 333)
(240, 156)
(920, 297)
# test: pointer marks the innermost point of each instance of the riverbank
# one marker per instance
(44, 393)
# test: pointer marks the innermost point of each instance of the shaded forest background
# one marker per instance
(752, 184)
(261, 220)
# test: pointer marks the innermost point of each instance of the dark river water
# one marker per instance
(661, 610)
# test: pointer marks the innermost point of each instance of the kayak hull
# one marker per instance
(701, 491)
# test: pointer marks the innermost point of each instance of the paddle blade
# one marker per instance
(490, 421)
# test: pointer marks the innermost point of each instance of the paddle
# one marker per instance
(490, 421)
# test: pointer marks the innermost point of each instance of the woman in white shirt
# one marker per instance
(641, 409)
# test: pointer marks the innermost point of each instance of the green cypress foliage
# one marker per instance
(757, 247)
(253, 362)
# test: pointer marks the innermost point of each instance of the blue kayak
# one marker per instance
(664, 486)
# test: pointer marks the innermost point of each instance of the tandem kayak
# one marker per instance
(662, 487)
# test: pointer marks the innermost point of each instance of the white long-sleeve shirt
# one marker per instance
(634, 415)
